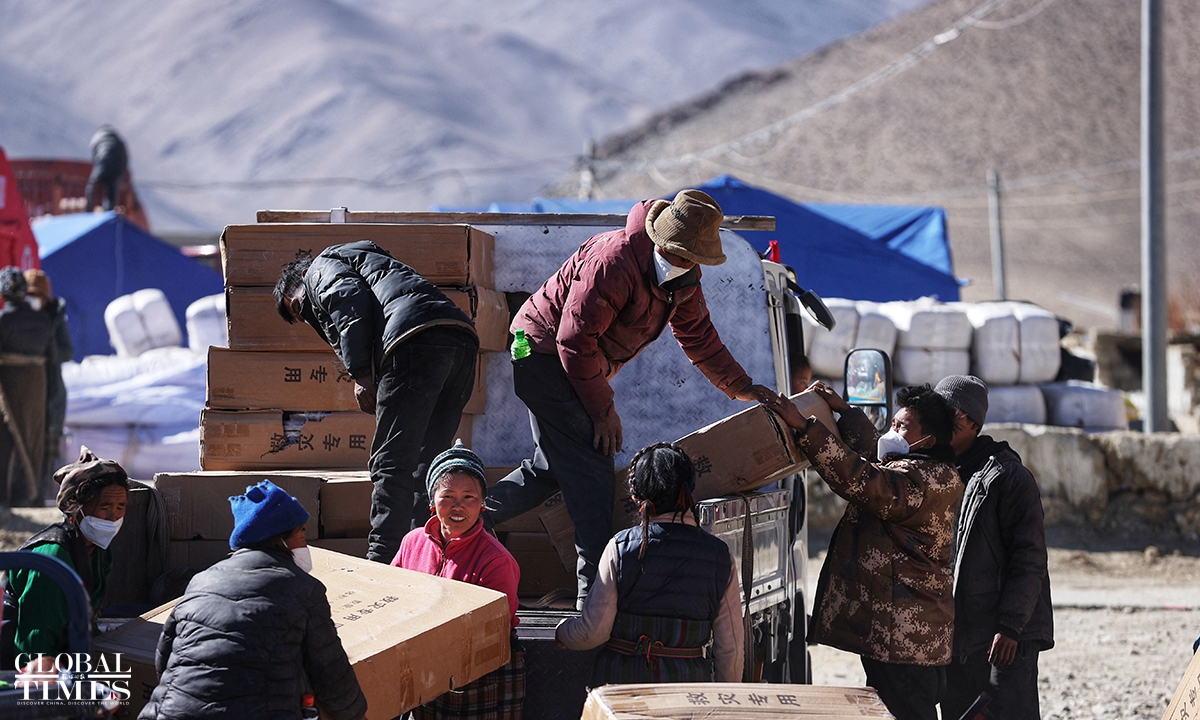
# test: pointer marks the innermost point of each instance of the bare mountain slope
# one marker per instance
(234, 105)
(917, 110)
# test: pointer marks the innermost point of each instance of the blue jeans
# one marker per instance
(421, 390)
(563, 458)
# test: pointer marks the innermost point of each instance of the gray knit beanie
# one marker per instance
(457, 459)
(967, 393)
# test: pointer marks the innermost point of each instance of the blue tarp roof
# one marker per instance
(92, 259)
(861, 252)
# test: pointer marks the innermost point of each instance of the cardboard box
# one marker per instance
(196, 554)
(354, 547)
(743, 452)
(1185, 704)
(135, 641)
(254, 324)
(442, 254)
(260, 440)
(750, 449)
(409, 636)
(714, 701)
(198, 502)
(488, 309)
(541, 569)
(257, 380)
(346, 506)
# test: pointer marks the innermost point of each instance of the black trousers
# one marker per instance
(1013, 687)
(563, 458)
(911, 692)
(422, 388)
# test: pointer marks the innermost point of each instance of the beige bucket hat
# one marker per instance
(689, 227)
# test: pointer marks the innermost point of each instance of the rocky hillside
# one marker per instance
(916, 111)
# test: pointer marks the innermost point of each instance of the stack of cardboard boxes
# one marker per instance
(279, 403)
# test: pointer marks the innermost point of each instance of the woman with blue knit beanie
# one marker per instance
(253, 634)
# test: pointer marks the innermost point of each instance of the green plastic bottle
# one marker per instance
(520, 346)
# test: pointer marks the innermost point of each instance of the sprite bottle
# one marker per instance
(520, 346)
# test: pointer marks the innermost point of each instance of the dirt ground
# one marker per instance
(1125, 621)
(1126, 613)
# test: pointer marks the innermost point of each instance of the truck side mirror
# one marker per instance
(813, 303)
(868, 385)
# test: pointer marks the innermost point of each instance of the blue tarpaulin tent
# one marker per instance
(861, 252)
(92, 259)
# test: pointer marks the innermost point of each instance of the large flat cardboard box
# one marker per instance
(1185, 704)
(254, 324)
(717, 701)
(273, 439)
(354, 547)
(198, 502)
(442, 254)
(541, 569)
(409, 636)
(260, 380)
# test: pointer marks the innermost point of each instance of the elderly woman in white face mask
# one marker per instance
(253, 636)
(92, 494)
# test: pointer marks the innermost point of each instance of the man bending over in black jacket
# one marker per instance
(411, 353)
(1002, 615)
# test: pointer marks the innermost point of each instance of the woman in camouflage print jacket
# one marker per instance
(885, 590)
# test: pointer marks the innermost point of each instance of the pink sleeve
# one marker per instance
(502, 574)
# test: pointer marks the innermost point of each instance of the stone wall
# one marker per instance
(1114, 479)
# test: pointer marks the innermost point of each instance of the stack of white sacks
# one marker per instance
(142, 405)
(1013, 347)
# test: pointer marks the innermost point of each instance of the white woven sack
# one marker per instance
(875, 330)
(206, 324)
(162, 329)
(996, 344)
(915, 366)
(926, 323)
(829, 348)
(1084, 405)
(126, 332)
(1016, 404)
(1040, 350)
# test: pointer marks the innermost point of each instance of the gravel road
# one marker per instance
(1124, 626)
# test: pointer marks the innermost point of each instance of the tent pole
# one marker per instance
(998, 279)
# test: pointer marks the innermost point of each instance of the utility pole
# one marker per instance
(998, 279)
(1154, 250)
(587, 174)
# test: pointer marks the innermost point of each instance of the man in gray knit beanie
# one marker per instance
(1002, 614)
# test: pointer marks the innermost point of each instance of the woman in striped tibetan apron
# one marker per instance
(665, 604)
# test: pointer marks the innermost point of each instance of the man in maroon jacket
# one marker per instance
(607, 302)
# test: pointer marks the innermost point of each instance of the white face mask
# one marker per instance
(664, 270)
(100, 532)
(891, 442)
(302, 556)
(34, 302)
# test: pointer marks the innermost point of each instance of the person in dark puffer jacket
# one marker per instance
(1003, 617)
(665, 590)
(411, 353)
(254, 634)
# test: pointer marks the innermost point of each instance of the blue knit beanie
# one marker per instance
(457, 459)
(266, 510)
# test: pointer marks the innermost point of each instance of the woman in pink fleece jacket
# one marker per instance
(453, 544)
